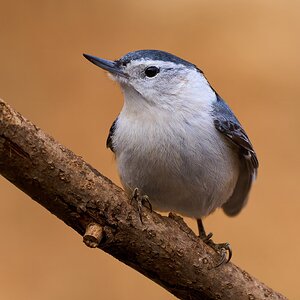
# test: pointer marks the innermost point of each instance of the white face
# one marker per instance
(164, 84)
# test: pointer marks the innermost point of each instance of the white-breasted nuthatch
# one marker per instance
(176, 140)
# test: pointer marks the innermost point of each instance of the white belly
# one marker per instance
(184, 167)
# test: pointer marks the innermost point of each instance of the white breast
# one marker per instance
(180, 161)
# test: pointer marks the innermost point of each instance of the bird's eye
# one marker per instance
(151, 71)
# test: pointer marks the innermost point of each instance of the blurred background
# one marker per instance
(249, 51)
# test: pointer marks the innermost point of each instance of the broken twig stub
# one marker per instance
(93, 235)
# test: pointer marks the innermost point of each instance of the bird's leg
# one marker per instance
(222, 248)
(202, 234)
(140, 200)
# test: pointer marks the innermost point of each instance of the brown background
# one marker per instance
(249, 50)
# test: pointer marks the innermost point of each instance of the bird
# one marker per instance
(176, 141)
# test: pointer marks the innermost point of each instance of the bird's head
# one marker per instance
(157, 78)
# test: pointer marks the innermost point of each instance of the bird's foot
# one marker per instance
(223, 249)
(141, 200)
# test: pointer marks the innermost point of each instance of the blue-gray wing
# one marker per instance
(227, 124)
(109, 142)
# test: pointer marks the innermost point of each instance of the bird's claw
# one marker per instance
(141, 200)
(222, 249)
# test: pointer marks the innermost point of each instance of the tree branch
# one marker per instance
(162, 248)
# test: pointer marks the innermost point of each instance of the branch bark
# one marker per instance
(162, 248)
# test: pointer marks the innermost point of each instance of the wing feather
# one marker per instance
(109, 141)
(226, 123)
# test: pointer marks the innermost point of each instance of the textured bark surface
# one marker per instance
(162, 248)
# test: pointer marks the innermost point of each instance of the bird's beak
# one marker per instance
(108, 65)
